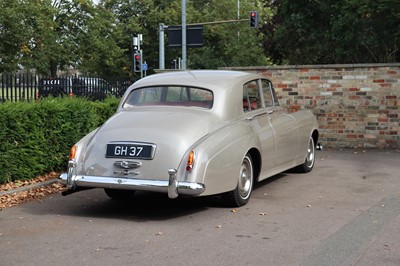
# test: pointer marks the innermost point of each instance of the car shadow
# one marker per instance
(142, 207)
(271, 179)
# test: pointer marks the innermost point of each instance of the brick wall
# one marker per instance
(356, 105)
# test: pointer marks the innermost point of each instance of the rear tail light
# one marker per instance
(72, 153)
(190, 162)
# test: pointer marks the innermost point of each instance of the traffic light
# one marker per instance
(253, 19)
(137, 62)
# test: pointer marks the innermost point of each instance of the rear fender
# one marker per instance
(219, 157)
(81, 147)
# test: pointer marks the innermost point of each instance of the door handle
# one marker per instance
(250, 118)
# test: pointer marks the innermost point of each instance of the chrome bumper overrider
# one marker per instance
(171, 186)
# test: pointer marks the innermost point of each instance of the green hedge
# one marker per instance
(35, 137)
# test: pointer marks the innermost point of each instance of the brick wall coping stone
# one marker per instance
(326, 66)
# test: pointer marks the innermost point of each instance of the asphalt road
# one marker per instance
(345, 212)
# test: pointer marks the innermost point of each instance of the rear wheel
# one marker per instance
(308, 164)
(119, 194)
(241, 194)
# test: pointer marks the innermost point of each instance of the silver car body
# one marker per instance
(220, 135)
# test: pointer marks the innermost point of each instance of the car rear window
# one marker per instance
(170, 96)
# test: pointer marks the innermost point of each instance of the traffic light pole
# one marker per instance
(161, 54)
(184, 34)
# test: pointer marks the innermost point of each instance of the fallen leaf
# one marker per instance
(234, 210)
(13, 199)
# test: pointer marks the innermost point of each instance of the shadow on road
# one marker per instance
(142, 207)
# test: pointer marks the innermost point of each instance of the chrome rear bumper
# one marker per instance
(171, 186)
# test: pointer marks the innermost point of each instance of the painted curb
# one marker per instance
(25, 188)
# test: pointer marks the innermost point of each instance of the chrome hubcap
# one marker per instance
(245, 178)
(310, 153)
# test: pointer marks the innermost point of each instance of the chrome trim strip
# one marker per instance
(171, 186)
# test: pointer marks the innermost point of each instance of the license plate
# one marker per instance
(130, 150)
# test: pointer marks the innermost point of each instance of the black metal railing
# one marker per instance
(27, 87)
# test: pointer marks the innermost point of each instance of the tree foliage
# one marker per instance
(102, 51)
(331, 31)
(13, 33)
(49, 35)
(56, 29)
(230, 44)
(222, 44)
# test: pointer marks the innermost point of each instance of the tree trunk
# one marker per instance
(53, 69)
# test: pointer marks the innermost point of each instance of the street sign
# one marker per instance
(194, 36)
(144, 67)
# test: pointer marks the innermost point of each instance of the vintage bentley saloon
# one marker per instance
(194, 133)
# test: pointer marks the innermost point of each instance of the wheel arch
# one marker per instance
(315, 136)
(256, 159)
(219, 167)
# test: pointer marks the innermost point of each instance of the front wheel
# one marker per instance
(241, 194)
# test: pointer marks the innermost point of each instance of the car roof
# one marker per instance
(198, 78)
(227, 87)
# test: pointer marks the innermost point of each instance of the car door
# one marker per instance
(284, 126)
(257, 117)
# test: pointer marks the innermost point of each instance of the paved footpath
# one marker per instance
(345, 212)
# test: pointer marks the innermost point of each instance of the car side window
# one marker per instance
(251, 96)
(269, 93)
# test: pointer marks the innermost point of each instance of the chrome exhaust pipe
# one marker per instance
(74, 190)
(319, 147)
